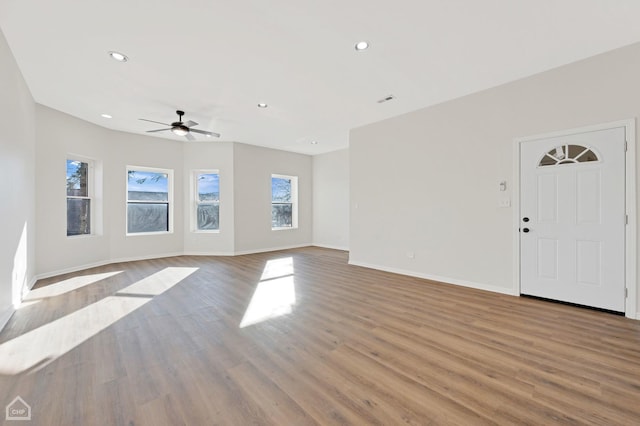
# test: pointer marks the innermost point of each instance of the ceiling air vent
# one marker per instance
(386, 99)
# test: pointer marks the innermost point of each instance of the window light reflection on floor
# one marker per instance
(66, 286)
(39, 347)
(274, 295)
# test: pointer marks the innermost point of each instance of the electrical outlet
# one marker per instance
(505, 202)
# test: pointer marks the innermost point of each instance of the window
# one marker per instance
(79, 193)
(568, 154)
(284, 202)
(149, 200)
(207, 200)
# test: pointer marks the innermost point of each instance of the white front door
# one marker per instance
(572, 224)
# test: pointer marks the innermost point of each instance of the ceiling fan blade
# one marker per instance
(204, 132)
(158, 130)
(190, 137)
(151, 121)
(190, 123)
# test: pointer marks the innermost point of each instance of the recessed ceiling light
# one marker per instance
(362, 45)
(314, 142)
(262, 105)
(106, 116)
(120, 57)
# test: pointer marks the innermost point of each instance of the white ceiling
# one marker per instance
(217, 59)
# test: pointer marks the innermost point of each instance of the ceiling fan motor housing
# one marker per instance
(177, 127)
(179, 122)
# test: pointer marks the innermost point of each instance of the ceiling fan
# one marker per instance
(182, 128)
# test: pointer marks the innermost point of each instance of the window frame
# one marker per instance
(90, 194)
(195, 201)
(169, 202)
(294, 201)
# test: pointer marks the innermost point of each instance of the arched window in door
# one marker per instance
(568, 154)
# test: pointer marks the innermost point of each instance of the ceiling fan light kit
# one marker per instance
(181, 128)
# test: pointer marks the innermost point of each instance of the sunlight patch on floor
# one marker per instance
(65, 286)
(275, 294)
(39, 347)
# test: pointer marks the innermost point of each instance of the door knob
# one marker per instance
(525, 219)
(525, 230)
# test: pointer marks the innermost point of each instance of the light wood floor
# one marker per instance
(359, 347)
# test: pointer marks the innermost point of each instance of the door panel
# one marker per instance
(547, 258)
(588, 261)
(547, 198)
(588, 197)
(573, 192)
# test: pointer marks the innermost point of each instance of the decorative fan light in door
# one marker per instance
(568, 154)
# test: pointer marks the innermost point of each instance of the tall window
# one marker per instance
(149, 200)
(207, 200)
(79, 195)
(284, 202)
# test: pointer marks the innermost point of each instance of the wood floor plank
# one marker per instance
(358, 346)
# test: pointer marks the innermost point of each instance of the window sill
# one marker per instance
(289, 228)
(143, 234)
(80, 236)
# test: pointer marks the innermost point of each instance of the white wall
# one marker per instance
(217, 156)
(245, 178)
(136, 150)
(252, 195)
(17, 184)
(331, 200)
(427, 181)
(58, 135)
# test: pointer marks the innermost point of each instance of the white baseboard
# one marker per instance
(332, 247)
(101, 263)
(5, 315)
(157, 256)
(446, 280)
(265, 250)
(32, 282)
(243, 252)
(146, 257)
(208, 253)
(72, 269)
